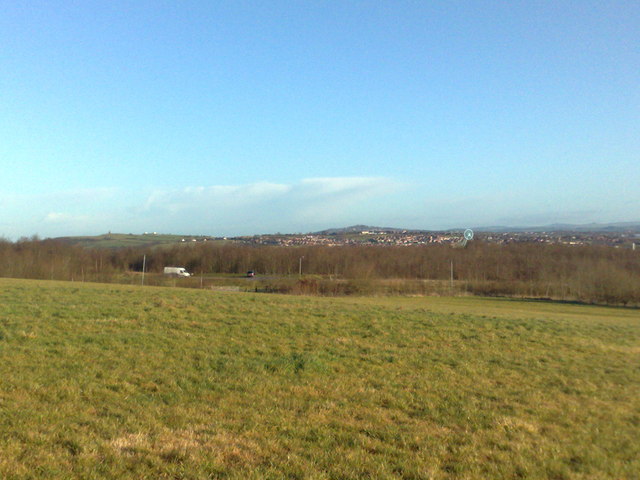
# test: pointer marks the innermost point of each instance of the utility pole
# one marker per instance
(300, 269)
(451, 281)
(144, 264)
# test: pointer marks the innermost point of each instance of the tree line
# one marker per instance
(592, 274)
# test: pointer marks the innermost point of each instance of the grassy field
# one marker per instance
(122, 240)
(108, 381)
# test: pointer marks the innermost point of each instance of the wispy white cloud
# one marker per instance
(345, 186)
(262, 207)
(310, 190)
(339, 199)
(258, 207)
(75, 197)
(210, 209)
(56, 217)
(56, 213)
(195, 197)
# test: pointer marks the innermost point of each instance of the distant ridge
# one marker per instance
(619, 227)
(359, 229)
(119, 240)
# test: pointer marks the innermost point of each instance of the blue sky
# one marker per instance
(241, 117)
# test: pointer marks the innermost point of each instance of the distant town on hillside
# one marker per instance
(621, 235)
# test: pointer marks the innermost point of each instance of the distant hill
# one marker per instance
(620, 227)
(354, 229)
(120, 240)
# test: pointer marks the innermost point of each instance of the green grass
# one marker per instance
(121, 240)
(108, 381)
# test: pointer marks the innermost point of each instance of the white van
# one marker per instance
(176, 272)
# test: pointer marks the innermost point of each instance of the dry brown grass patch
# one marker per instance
(227, 448)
